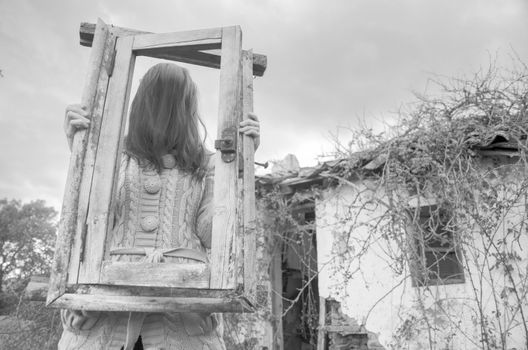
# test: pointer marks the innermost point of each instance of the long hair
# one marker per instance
(164, 119)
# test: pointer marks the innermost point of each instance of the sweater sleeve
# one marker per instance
(204, 218)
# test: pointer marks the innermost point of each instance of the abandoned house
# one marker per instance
(351, 259)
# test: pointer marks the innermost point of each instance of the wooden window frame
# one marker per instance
(421, 273)
(81, 278)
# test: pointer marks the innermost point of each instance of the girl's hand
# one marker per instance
(251, 127)
(79, 320)
(75, 118)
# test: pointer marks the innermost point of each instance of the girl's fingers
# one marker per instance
(77, 313)
(79, 124)
(251, 127)
(252, 134)
(250, 122)
(71, 116)
(245, 127)
(253, 116)
(250, 131)
(75, 117)
(91, 314)
(248, 126)
(77, 108)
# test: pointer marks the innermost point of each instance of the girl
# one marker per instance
(164, 199)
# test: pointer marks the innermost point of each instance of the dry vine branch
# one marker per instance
(435, 154)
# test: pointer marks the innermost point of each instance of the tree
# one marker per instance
(27, 233)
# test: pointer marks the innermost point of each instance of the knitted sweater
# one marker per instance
(158, 211)
(154, 213)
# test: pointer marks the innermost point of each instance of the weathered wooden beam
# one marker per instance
(79, 239)
(190, 275)
(137, 298)
(70, 203)
(106, 162)
(86, 33)
(37, 290)
(225, 220)
(248, 189)
(205, 39)
(149, 304)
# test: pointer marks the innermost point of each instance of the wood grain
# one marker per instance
(106, 162)
(37, 289)
(68, 220)
(89, 160)
(321, 331)
(205, 39)
(212, 60)
(192, 275)
(225, 222)
(101, 289)
(248, 190)
(149, 303)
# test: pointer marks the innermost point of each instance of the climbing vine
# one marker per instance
(291, 219)
(449, 191)
(441, 201)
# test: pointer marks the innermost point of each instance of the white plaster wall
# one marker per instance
(378, 293)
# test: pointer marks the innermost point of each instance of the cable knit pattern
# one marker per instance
(167, 203)
(188, 203)
(183, 209)
(205, 209)
(176, 206)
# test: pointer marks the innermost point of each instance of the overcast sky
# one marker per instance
(331, 64)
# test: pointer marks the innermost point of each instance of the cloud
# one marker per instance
(331, 64)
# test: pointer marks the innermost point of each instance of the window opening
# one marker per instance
(438, 259)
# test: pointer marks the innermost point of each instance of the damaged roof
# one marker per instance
(498, 143)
